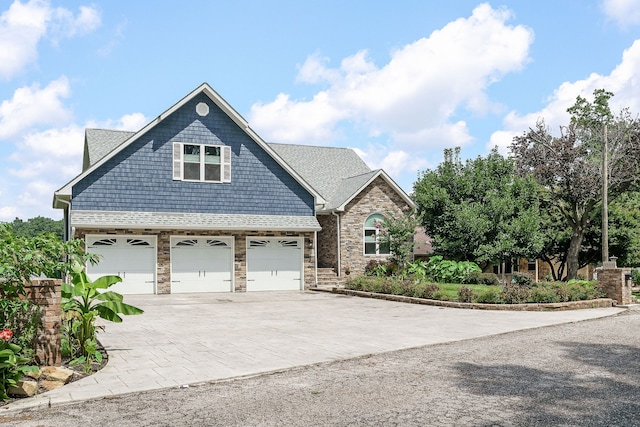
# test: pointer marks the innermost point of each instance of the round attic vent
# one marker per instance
(202, 109)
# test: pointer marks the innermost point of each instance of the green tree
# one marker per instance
(568, 166)
(398, 230)
(480, 210)
(38, 225)
(624, 235)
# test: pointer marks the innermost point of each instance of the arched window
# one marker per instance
(372, 245)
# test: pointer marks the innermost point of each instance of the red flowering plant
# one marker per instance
(13, 366)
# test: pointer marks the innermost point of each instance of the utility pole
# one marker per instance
(605, 201)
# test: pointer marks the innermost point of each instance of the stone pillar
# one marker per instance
(615, 285)
(46, 294)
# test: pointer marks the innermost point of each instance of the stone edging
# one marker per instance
(555, 306)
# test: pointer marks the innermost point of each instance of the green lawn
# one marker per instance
(451, 289)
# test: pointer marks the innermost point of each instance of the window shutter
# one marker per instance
(177, 161)
(226, 160)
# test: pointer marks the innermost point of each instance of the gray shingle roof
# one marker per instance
(169, 220)
(100, 142)
(326, 169)
(348, 187)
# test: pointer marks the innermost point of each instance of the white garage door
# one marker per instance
(201, 264)
(274, 264)
(133, 258)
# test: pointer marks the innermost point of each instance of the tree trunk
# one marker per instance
(573, 252)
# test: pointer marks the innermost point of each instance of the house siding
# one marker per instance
(377, 197)
(139, 178)
(163, 268)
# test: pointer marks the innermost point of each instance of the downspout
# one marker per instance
(67, 215)
(338, 242)
(315, 249)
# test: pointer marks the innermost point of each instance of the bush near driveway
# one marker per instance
(512, 293)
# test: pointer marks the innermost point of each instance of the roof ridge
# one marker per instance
(112, 130)
(371, 172)
(307, 145)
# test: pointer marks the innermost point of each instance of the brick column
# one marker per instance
(46, 294)
(615, 285)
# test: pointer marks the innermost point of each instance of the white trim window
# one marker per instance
(372, 245)
(201, 162)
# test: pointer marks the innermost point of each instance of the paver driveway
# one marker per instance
(185, 339)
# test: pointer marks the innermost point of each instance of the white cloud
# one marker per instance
(284, 120)
(44, 161)
(32, 106)
(622, 81)
(8, 213)
(129, 122)
(399, 164)
(23, 25)
(625, 13)
(413, 96)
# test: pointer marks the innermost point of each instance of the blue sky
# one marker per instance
(397, 82)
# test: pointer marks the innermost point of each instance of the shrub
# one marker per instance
(13, 366)
(441, 295)
(489, 296)
(429, 291)
(543, 294)
(400, 287)
(379, 268)
(23, 318)
(466, 294)
(523, 279)
(480, 278)
(635, 276)
(512, 293)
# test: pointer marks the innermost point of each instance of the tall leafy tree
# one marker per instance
(568, 166)
(479, 210)
(38, 225)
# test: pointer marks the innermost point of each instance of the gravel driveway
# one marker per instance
(578, 374)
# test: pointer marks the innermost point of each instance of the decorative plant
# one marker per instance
(83, 300)
(445, 271)
(13, 366)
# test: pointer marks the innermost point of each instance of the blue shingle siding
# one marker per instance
(139, 178)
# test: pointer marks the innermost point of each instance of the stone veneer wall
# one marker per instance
(163, 273)
(327, 242)
(377, 197)
(46, 294)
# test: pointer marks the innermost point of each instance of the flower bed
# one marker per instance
(509, 294)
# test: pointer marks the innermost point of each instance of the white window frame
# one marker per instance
(366, 228)
(178, 162)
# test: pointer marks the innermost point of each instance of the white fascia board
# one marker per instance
(389, 181)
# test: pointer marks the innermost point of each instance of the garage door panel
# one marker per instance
(201, 264)
(274, 264)
(132, 258)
